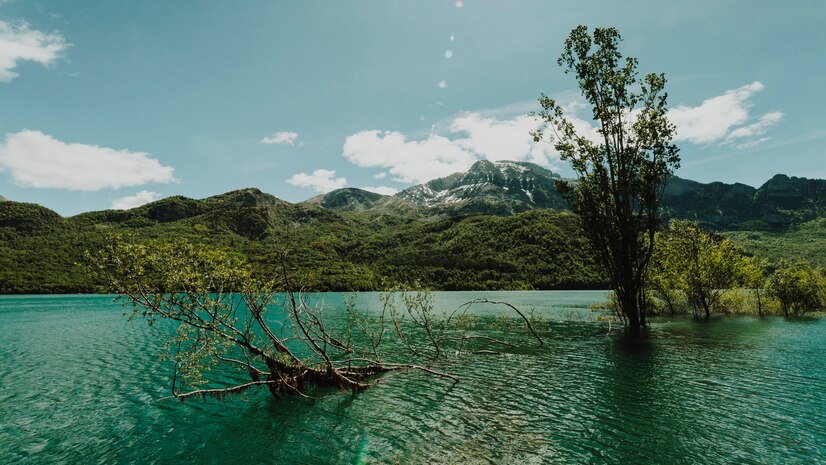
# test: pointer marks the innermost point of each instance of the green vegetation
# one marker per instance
(621, 178)
(696, 266)
(798, 288)
(228, 317)
(326, 250)
(344, 251)
(704, 273)
(806, 241)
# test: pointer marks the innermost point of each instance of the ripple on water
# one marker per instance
(80, 384)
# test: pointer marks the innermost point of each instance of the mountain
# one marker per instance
(327, 249)
(713, 203)
(498, 188)
(780, 202)
(791, 199)
(350, 199)
(28, 218)
(505, 188)
(491, 188)
(3, 199)
(500, 225)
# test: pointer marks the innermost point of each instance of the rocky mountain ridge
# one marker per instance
(507, 188)
(488, 188)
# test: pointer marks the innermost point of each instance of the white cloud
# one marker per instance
(495, 140)
(18, 42)
(383, 190)
(470, 137)
(758, 128)
(320, 180)
(499, 135)
(381, 175)
(722, 119)
(35, 159)
(407, 161)
(280, 138)
(132, 201)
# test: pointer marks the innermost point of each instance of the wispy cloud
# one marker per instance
(35, 159)
(771, 146)
(757, 128)
(133, 201)
(724, 119)
(19, 42)
(280, 138)
(320, 180)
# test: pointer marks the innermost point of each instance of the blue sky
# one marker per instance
(110, 104)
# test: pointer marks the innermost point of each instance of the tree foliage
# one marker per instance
(698, 266)
(622, 173)
(798, 287)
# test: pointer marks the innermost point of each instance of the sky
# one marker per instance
(114, 104)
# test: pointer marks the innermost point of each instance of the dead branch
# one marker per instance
(519, 312)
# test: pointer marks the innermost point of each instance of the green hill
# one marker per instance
(489, 228)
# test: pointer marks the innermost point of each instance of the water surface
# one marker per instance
(80, 384)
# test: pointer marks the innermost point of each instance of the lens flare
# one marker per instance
(459, 3)
(449, 54)
(442, 84)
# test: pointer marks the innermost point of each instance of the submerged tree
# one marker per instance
(261, 327)
(700, 266)
(798, 287)
(623, 171)
(755, 279)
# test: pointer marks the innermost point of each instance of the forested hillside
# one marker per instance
(497, 226)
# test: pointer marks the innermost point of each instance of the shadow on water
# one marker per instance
(634, 401)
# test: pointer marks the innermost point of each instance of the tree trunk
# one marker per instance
(629, 307)
(759, 303)
(642, 306)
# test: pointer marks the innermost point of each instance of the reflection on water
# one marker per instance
(78, 383)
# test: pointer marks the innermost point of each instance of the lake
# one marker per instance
(81, 384)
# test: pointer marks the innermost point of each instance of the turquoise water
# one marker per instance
(80, 384)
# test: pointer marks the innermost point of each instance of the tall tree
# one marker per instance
(623, 171)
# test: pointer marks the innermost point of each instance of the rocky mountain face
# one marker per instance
(499, 188)
(506, 188)
(786, 199)
(781, 201)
